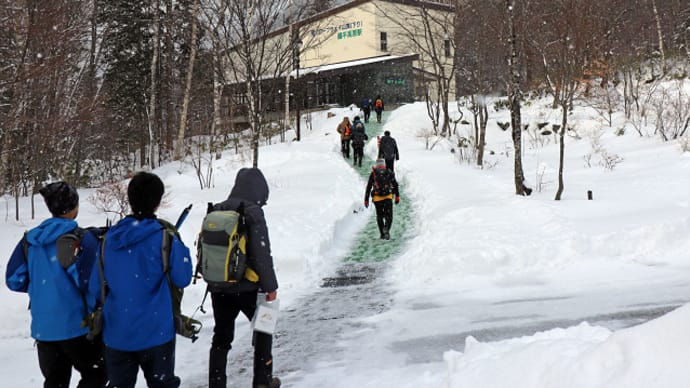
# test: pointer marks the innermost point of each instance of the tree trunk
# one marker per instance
(168, 97)
(287, 84)
(561, 148)
(154, 84)
(660, 35)
(514, 99)
(179, 147)
(483, 118)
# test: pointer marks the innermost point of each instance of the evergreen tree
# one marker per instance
(127, 51)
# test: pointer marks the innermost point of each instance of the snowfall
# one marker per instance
(489, 290)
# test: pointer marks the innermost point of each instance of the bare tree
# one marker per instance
(154, 82)
(179, 145)
(250, 57)
(567, 48)
(514, 97)
(428, 29)
(480, 60)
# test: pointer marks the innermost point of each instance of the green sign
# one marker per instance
(350, 33)
(395, 81)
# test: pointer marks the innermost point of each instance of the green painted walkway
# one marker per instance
(368, 247)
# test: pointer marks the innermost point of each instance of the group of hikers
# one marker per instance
(102, 298)
(355, 133)
(368, 104)
(382, 187)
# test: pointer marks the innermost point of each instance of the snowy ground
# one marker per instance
(488, 289)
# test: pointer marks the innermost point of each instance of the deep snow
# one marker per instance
(489, 289)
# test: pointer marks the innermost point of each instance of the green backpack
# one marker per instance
(222, 249)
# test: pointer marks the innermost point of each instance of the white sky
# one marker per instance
(491, 290)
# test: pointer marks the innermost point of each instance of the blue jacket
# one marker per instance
(59, 297)
(138, 308)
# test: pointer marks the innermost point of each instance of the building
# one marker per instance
(393, 48)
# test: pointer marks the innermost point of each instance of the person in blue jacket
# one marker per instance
(366, 108)
(58, 291)
(138, 326)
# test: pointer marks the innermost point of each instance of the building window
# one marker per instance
(384, 41)
(446, 46)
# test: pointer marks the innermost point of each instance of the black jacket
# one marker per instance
(251, 191)
(384, 177)
(388, 149)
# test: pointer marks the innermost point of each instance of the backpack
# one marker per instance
(383, 181)
(359, 136)
(68, 248)
(222, 249)
(379, 104)
(387, 146)
(185, 326)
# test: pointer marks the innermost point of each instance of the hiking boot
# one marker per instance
(275, 383)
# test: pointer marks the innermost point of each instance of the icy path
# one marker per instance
(310, 330)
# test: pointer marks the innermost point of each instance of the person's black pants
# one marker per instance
(384, 215)
(378, 116)
(367, 114)
(157, 363)
(226, 308)
(56, 359)
(345, 147)
(357, 154)
(389, 164)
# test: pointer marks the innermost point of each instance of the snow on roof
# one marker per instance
(358, 62)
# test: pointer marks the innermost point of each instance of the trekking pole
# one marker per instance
(183, 216)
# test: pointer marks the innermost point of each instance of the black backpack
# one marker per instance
(358, 135)
(388, 147)
(383, 181)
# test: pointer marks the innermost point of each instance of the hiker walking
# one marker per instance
(383, 188)
(248, 196)
(378, 108)
(58, 290)
(345, 131)
(359, 136)
(366, 108)
(138, 325)
(388, 150)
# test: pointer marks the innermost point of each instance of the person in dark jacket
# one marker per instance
(359, 137)
(383, 188)
(366, 108)
(138, 324)
(59, 293)
(378, 108)
(248, 195)
(388, 150)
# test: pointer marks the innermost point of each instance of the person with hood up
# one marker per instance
(345, 130)
(359, 137)
(248, 195)
(58, 290)
(138, 324)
